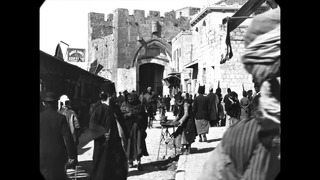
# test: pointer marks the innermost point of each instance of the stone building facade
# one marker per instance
(135, 51)
(209, 35)
(208, 46)
(181, 55)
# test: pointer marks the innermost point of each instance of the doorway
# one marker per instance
(151, 75)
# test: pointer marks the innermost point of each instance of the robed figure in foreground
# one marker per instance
(136, 121)
(186, 132)
(109, 158)
(57, 147)
(250, 149)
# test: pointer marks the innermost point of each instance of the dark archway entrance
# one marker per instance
(151, 74)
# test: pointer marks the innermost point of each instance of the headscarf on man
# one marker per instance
(252, 159)
(261, 56)
(135, 98)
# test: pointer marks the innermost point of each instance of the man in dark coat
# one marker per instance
(167, 103)
(109, 158)
(56, 141)
(227, 103)
(120, 99)
(149, 101)
(212, 107)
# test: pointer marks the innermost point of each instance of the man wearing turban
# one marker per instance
(251, 148)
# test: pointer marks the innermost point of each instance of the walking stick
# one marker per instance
(75, 173)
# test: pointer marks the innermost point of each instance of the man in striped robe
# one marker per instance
(250, 149)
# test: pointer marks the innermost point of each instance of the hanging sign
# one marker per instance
(76, 55)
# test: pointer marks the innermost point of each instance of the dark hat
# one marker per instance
(234, 94)
(107, 88)
(49, 96)
(201, 89)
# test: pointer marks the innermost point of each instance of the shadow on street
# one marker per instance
(84, 139)
(203, 150)
(161, 165)
(213, 140)
(83, 150)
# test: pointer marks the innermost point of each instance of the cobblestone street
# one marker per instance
(153, 168)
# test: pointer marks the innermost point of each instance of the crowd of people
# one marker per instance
(250, 146)
(118, 124)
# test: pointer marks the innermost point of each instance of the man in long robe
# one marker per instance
(72, 120)
(148, 102)
(213, 107)
(201, 115)
(109, 158)
(57, 147)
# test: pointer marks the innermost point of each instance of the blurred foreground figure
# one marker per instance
(250, 149)
(56, 141)
(72, 120)
(109, 157)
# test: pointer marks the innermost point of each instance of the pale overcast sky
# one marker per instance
(67, 20)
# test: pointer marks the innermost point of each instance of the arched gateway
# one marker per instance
(152, 65)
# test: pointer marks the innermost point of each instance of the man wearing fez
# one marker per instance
(56, 141)
(109, 158)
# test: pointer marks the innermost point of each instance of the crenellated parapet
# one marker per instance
(98, 26)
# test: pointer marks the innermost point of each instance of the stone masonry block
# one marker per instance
(139, 16)
(154, 14)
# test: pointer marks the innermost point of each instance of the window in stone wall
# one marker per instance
(204, 23)
(178, 53)
(195, 72)
(204, 75)
(177, 59)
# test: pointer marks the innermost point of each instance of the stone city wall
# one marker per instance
(121, 33)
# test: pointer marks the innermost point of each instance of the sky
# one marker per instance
(67, 20)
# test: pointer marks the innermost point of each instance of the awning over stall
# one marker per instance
(192, 64)
(173, 80)
(233, 22)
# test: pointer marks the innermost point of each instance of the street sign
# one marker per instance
(76, 55)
